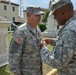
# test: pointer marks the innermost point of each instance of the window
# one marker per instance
(13, 19)
(5, 8)
(13, 8)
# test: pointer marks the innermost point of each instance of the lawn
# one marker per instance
(9, 37)
(5, 69)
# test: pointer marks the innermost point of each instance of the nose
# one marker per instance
(39, 16)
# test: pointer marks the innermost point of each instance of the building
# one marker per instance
(9, 10)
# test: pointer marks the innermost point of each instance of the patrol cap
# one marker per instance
(35, 10)
(56, 4)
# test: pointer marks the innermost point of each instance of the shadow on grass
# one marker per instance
(4, 70)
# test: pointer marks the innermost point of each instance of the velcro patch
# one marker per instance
(17, 40)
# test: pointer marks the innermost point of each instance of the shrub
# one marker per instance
(42, 27)
(12, 28)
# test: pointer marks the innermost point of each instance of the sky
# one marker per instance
(41, 3)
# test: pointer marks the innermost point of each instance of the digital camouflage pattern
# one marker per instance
(64, 55)
(35, 10)
(24, 51)
(56, 4)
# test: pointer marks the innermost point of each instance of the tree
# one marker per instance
(45, 16)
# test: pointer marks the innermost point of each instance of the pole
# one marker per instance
(9, 12)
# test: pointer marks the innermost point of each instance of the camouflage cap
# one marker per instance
(56, 4)
(34, 10)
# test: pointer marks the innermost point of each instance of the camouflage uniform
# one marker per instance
(64, 55)
(24, 51)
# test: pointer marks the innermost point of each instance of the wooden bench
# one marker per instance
(52, 72)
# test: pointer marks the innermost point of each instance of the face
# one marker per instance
(35, 19)
(59, 15)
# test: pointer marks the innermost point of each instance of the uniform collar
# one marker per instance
(74, 17)
(33, 30)
(66, 23)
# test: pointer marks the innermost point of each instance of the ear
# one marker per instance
(63, 12)
(29, 15)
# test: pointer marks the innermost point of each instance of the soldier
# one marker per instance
(64, 55)
(24, 50)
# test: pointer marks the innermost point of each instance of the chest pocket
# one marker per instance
(31, 42)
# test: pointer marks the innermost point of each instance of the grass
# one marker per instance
(9, 37)
(4, 70)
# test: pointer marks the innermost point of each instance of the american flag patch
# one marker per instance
(17, 40)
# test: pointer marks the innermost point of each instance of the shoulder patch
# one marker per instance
(17, 40)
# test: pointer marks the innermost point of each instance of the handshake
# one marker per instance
(45, 42)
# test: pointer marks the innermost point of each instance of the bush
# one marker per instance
(42, 27)
(12, 28)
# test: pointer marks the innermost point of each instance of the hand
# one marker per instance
(48, 41)
(42, 44)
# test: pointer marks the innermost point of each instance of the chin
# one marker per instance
(60, 25)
